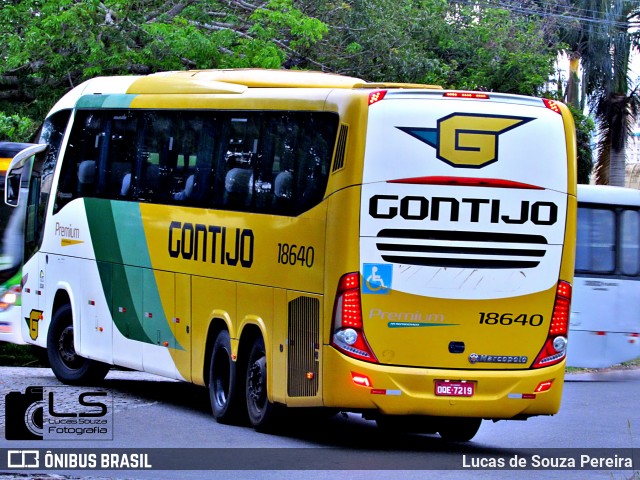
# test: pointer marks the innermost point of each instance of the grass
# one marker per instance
(635, 363)
(12, 355)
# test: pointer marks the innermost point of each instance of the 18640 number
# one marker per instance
(292, 254)
(495, 318)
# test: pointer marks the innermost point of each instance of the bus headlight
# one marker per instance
(9, 298)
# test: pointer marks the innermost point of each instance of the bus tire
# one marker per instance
(67, 365)
(260, 410)
(222, 380)
(459, 429)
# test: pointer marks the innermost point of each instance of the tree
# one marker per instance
(463, 45)
(48, 47)
(606, 67)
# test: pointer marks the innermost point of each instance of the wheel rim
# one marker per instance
(66, 349)
(221, 378)
(257, 385)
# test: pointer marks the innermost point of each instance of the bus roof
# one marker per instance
(265, 78)
(223, 81)
(608, 195)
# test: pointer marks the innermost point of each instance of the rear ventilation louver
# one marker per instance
(304, 347)
(457, 249)
(341, 148)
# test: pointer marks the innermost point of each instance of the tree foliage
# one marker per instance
(49, 46)
(16, 128)
(453, 44)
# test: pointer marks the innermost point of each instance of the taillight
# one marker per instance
(552, 105)
(481, 96)
(376, 96)
(555, 347)
(348, 334)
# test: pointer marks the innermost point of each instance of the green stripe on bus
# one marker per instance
(118, 238)
(105, 101)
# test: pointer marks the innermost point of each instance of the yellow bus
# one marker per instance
(304, 239)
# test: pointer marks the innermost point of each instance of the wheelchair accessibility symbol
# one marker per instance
(377, 278)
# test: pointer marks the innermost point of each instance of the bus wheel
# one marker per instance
(459, 429)
(259, 408)
(67, 365)
(222, 380)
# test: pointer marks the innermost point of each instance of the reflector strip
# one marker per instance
(466, 182)
(522, 396)
(382, 391)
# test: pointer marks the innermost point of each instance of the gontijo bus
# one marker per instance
(308, 240)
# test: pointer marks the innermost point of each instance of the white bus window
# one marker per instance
(595, 250)
(630, 242)
(117, 172)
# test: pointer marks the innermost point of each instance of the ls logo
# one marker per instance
(467, 140)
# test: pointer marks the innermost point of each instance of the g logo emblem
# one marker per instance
(34, 318)
(467, 140)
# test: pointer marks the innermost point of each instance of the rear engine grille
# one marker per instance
(304, 347)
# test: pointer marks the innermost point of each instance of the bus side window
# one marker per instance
(79, 173)
(630, 242)
(120, 161)
(596, 240)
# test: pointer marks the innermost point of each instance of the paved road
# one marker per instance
(600, 410)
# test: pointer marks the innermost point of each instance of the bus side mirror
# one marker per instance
(12, 187)
(15, 171)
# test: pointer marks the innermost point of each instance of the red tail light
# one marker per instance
(555, 348)
(376, 96)
(482, 96)
(552, 105)
(348, 334)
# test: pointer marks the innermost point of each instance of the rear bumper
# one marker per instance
(499, 394)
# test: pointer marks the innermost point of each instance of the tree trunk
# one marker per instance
(617, 166)
(573, 82)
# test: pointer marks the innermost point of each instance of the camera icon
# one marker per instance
(24, 414)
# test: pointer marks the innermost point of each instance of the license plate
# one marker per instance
(453, 388)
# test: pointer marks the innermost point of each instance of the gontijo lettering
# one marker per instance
(471, 209)
(212, 243)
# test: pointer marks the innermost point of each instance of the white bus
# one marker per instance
(605, 313)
